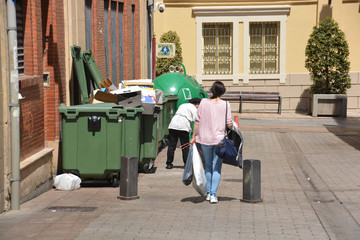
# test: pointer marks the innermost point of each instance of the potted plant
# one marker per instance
(327, 55)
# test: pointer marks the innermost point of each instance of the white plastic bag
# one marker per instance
(199, 180)
(67, 181)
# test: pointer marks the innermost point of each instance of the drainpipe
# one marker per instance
(151, 7)
(154, 56)
(14, 105)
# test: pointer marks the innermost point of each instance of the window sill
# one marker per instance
(244, 77)
(28, 81)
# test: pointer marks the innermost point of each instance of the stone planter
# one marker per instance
(329, 105)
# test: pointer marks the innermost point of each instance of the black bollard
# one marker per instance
(128, 178)
(251, 181)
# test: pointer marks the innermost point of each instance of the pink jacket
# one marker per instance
(211, 121)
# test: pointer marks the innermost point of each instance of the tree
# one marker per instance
(327, 55)
(163, 64)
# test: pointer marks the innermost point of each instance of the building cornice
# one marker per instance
(241, 10)
(239, 2)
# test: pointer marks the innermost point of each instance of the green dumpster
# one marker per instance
(150, 138)
(96, 136)
(90, 64)
(169, 109)
(182, 85)
(80, 72)
(86, 71)
(154, 129)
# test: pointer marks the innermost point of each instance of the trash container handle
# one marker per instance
(71, 113)
(183, 68)
(113, 114)
(130, 112)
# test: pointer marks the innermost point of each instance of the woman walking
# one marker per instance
(209, 130)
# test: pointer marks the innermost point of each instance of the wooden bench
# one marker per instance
(252, 97)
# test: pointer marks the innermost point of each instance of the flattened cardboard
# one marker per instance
(130, 99)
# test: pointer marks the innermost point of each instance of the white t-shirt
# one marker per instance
(185, 114)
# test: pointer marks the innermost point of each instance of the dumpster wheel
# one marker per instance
(114, 180)
(149, 167)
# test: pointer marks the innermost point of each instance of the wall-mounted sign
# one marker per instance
(165, 50)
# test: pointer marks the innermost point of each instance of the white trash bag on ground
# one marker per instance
(67, 181)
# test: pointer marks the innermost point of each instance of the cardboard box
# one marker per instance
(107, 83)
(130, 99)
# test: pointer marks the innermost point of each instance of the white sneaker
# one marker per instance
(213, 199)
(208, 197)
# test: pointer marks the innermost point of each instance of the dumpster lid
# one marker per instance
(112, 110)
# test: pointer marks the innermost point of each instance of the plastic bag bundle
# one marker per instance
(199, 180)
(67, 181)
(188, 171)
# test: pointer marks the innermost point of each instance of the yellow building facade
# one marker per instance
(261, 44)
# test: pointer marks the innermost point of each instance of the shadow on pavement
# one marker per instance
(180, 167)
(233, 180)
(349, 134)
(95, 183)
(200, 199)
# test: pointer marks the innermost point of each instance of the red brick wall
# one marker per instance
(44, 43)
(54, 62)
(32, 38)
(137, 39)
(30, 86)
(98, 37)
(128, 45)
(31, 116)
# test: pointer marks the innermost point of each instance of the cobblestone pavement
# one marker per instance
(310, 186)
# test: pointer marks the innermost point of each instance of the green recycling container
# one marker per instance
(80, 72)
(96, 136)
(182, 85)
(90, 64)
(154, 129)
(150, 138)
(169, 109)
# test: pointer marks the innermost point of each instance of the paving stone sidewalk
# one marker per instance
(310, 186)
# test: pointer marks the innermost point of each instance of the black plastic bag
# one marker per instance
(236, 136)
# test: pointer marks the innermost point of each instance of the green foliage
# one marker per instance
(162, 64)
(327, 55)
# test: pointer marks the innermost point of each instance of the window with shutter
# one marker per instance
(20, 36)
(264, 48)
(217, 48)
